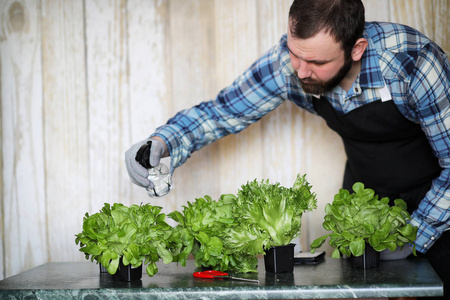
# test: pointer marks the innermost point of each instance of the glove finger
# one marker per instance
(138, 169)
(156, 152)
(138, 174)
(141, 181)
(132, 163)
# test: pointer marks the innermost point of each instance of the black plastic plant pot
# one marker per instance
(280, 259)
(127, 273)
(102, 269)
(208, 268)
(370, 259)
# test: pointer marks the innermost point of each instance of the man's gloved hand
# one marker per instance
(138, 174)
(397, 254)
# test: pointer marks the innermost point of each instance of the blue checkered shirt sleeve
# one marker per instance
(259, 90)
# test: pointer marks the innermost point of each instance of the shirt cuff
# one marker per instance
(426, 234)
(168, 135)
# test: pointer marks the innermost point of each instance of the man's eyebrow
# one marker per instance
(291, 51)
(320, 62)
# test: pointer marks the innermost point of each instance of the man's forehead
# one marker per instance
(321, 46)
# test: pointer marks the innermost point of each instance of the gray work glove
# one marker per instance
(137, 172)
(399, 253)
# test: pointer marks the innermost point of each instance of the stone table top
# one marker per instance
(332, 278)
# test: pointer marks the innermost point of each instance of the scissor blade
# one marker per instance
(244, 279)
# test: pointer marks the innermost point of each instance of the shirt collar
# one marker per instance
(370, 75)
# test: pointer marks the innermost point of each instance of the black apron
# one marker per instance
(391, 155)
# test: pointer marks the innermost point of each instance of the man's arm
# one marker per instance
(430, 88)
(252, 95)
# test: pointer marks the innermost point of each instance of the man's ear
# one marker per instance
(359, 48)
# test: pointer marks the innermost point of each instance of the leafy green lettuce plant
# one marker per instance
(359, 218)
(269, 214)
(136, 234)
(202, 230)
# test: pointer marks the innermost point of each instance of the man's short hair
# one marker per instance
(342, 19)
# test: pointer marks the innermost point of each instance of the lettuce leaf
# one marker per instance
(136, 234)
(203, 226)
(360, 218)
(270, 214)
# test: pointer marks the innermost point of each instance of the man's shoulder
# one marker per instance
(277, 57)
(395, 37)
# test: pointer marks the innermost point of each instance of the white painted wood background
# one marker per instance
(81, 81)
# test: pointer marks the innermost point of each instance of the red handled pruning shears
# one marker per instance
(218, 274)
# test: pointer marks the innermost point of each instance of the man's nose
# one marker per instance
(303, 70)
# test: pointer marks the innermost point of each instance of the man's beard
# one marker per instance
(318, 87)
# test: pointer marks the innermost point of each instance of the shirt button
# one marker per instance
(432, 238)
(425, 246)
(356, 89)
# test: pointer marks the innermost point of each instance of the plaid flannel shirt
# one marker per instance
(415, 70)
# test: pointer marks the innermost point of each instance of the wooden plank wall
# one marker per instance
(81, 81)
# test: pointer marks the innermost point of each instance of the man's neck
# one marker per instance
(348, 80)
